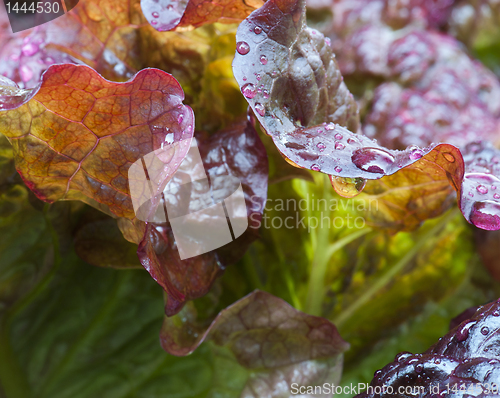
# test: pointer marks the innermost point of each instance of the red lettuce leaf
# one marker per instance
(76, 134)
(104, 35)
(289, 76)
(236, 151)
(169, 14)
(279, 334)
(270, 342)
(465, 362)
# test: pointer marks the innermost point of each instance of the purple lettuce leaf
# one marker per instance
(289, 76)
(465, 362)
(238, 152)
(167, 15)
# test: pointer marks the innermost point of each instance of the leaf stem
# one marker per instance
(316, 289)
(384, 280)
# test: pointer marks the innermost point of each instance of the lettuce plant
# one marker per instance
(364, 136)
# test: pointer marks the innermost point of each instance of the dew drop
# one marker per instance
(265, 94)
(330, 126)
(258, 77)
(321, 146)
(449, 157)
(319, 131)
(347, 187)
(372, 160)
(263, 60)
(30, 49)
(170, 7)
(153, 22)
(415, 153)
(244, 78)
(180, 118)
(257, 30)
(485, 330)
(261, 110)
(315, 167)
(338, 136)
(339, 146)
(463, 332)
(493, 187)
(155, 15)
(402, 356)
(248, 90)
(419, 368)
(338, 169)
(485, 215)
(482, 189)
(351, 141)
(274, 73)
(26, 73)
(496, 196)
(242, 47)
(496, 313)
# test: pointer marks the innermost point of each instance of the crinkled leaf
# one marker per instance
(79, 133)
(275, 61)
(466, 360)
(169, 14)
(275, 344)
(288, 73)
(237, 152)
(101, 34)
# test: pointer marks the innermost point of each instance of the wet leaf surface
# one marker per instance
(78, 134)
(235, 152)
(463, 362)
(167, 15)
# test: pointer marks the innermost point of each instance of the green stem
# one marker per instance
(384, 280)
(316, 289)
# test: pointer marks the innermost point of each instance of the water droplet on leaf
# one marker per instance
(155, 15)
(338, 136)
(315, 167)
(338, 169)
(463, 332)
(347, 187)
(372, 160)
(485, 215)
(248, 90)
(261, 110)
(339, 146)
(485, 330)
(449, 157)
(482, 189)
(257, 30)
(242, 47)
(321, 146)
(415, 153)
